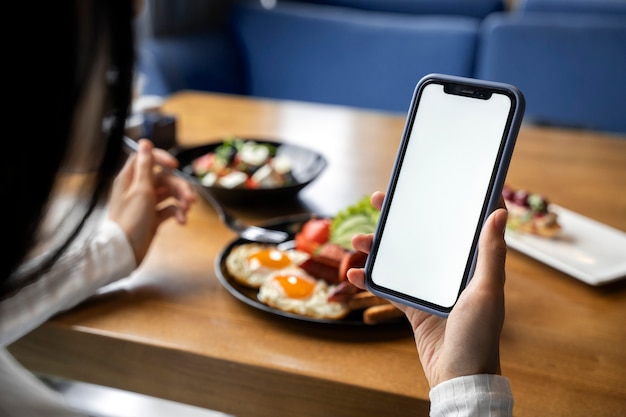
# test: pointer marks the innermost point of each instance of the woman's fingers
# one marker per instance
(173, 195)
(164, 158)
(144, 164)
(177, 193)
(377, 199)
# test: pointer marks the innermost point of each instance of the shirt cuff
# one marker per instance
(472, 395)
(113, 243)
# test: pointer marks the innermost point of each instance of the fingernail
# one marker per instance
(144, 146)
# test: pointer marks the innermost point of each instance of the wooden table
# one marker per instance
(171, 330)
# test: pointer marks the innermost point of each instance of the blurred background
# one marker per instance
(567, 56)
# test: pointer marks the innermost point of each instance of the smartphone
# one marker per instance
(448, 176)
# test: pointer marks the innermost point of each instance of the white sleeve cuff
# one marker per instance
(112, 239)
(473, 395)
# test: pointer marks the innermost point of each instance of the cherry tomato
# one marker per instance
(317, 230)
(313, 234)
(203, 164)
(304, 245)
(252, 184)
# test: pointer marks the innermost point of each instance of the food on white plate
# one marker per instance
(294, 291)
(530, 213)
(250, 264)
(239, 163)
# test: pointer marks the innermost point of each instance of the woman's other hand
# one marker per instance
(144, 195)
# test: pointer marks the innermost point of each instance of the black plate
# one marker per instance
(290, 225)
(307, 165)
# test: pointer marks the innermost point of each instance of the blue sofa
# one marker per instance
(363, 53)
(567, 56)
(347, 56)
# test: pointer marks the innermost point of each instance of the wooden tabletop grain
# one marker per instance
(173, 331)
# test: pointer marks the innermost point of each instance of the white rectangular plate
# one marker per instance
(586, 249)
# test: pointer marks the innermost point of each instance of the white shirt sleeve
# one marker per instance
(473, 395)
(24, 395)
(83, 269)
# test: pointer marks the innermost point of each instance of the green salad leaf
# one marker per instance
(360, 217)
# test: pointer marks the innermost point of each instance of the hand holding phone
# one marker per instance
(448, 177)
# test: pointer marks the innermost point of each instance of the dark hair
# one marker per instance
(75, 32)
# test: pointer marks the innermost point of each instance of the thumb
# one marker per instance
(492, 252)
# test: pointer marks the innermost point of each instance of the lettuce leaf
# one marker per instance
(360, 217)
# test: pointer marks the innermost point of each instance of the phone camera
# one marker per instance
(483, 94)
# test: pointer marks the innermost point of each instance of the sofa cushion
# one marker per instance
(349, 57)
(569, 66)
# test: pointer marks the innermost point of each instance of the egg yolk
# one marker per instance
(295, 286)
(269, 258)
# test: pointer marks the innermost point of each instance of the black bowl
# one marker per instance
(307, 165)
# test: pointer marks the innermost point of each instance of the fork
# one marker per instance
(245, 231)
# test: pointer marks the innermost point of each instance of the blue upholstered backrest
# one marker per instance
(349, 57)
(570, 66)
(567, 56)
(207, 60)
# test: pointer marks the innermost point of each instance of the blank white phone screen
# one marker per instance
(434, 216)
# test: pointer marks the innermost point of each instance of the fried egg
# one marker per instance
(294, 291)
(251, 264)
